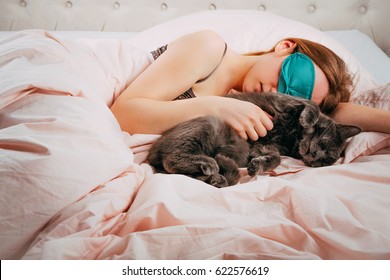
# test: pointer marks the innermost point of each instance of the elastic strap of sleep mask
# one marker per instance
(297, 76)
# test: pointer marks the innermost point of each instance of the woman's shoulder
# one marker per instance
(205, 43)
(207, 36)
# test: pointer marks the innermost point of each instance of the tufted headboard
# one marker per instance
(371, 17)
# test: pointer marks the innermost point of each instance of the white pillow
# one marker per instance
(248, 31)
(369, 54)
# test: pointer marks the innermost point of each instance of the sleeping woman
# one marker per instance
(201, 65)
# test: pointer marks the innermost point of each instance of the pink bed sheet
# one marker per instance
(73, 186)
(338, 212)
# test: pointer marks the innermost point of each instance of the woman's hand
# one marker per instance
(247, 119)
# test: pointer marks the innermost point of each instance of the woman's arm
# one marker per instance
(367, 118)
(150, 116)
(146, 105)
(143, 115)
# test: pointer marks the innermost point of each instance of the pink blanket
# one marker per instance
(74, 186)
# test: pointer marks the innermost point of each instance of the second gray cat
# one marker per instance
(208, 149)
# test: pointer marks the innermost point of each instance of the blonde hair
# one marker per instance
(334, 68)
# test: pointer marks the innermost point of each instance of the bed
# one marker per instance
(74, 186)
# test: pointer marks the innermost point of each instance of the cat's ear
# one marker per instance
(347, 131)
(309, 115)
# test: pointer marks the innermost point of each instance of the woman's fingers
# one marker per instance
(247, 119)
(253, 133)
(260, 126)
(260, 130)
(266, 120)
(252, 127)
(239, 128)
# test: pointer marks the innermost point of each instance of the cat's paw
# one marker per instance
(210, 167)
(254, 166)
(217, 180)
(228, 168)
(262, 164)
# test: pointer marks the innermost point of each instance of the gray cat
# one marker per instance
(208, 149)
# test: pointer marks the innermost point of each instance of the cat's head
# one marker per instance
(325, 140)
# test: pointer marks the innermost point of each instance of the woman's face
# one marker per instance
(264, 76)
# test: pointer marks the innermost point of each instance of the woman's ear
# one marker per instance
(285, 47)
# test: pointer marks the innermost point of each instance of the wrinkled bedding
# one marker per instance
(74, 186)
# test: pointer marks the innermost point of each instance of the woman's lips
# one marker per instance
(258, 88)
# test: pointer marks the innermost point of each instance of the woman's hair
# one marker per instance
(334, 68)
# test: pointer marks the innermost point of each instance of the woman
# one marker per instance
(200, 64)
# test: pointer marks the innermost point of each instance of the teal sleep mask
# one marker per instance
(297, 76)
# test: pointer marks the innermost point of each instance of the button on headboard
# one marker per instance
(369, 16)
